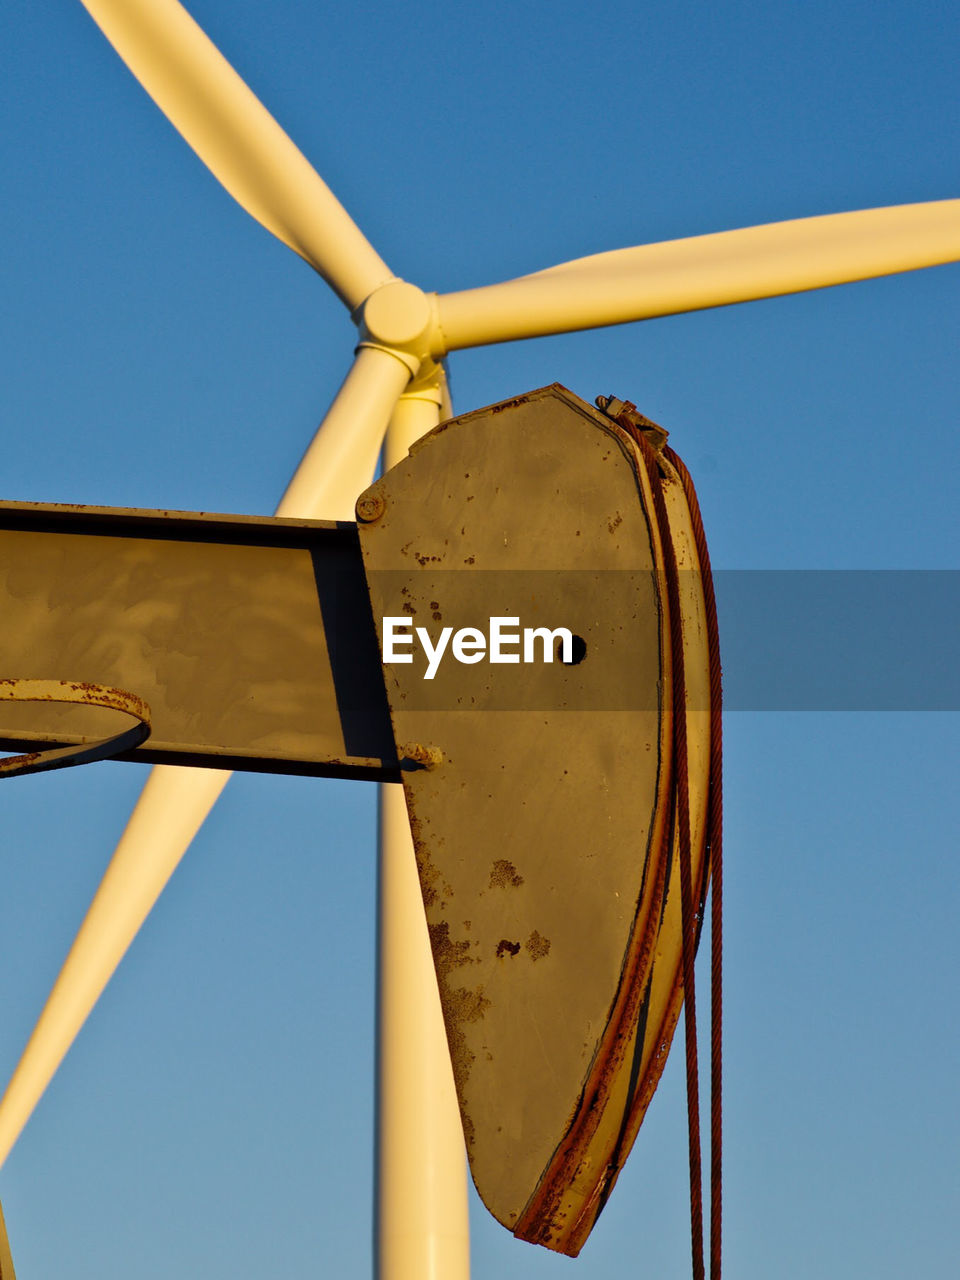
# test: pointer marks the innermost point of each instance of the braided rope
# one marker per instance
(715, 845)
(688, 916)
(691, 919)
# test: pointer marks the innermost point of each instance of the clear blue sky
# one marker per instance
(159, 349)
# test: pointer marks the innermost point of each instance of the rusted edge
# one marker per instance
(541, 1221)
(660, 1040)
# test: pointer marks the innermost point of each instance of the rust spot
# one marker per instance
(432, 883)
(538, 945)
(615, 523)
(470, 560)
(470, 1006)
(434, 604)
(437, 615)
(459, 1007)
(504, 875)
(507, 404)
(505, 947)
(447, 954)
(29, 758)
(469, 1131)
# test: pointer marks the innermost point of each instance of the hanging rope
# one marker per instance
(650, 439)
(715, 846)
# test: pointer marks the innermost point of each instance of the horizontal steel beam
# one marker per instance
(250, 639)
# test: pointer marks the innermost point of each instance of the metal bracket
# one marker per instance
(84, 695)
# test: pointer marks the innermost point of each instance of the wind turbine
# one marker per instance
(403, 336)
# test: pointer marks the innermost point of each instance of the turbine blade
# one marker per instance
(340, 461)
(238, 140)
(168, 815)
(337, 466)
(703, 271)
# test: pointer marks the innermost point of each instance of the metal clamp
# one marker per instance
(81, 694)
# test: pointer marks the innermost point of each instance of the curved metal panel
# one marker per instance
(538, 793)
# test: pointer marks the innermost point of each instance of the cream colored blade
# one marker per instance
(342, 457)
(168, 815)
(337, 466)
(238, 140)
(704, 271)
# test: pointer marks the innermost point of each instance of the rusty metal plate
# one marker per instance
(6, 1261)
(250, 639)
(539, 830)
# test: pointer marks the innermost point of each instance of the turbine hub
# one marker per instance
(397, 315)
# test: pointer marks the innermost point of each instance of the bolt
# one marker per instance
(425, 757)
(370, 507)
(610, 405)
